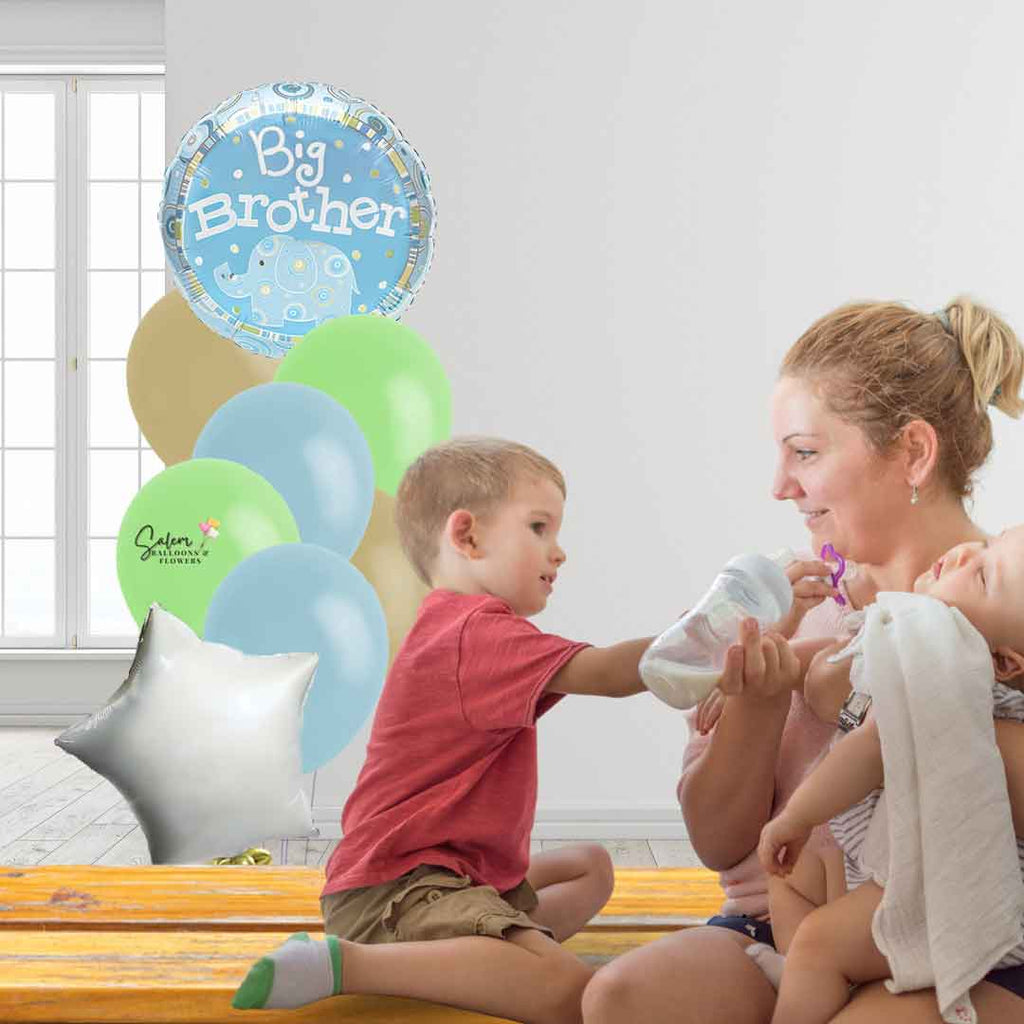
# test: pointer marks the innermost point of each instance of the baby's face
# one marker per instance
(985, 580)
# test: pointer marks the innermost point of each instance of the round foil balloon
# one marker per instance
(292, 204)
(188, 528)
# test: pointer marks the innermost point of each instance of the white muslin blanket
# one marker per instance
(941, 841)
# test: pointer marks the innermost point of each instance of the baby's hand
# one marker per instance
(808, 592)
(709, 710)
(782, 841)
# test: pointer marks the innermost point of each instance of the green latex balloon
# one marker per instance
(188, 528)
(387, 377)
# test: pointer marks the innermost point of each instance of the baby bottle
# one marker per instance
(683, 665)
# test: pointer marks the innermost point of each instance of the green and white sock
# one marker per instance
(299, 971)
(770, 961)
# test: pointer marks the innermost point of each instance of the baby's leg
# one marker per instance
(816, 879)
(526, 976)
(831, 951)
(572, 884)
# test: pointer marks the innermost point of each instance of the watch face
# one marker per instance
(858, 704)
(854, 710)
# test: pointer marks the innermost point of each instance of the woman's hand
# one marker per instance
(782, 841)
(811, 585)
(761, 667)
(709, 710)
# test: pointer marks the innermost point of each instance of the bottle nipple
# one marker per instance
(783, 557)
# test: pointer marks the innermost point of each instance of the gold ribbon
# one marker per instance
(254, 855)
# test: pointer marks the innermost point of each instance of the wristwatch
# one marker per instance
(854, 710)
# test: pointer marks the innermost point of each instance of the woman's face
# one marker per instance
(848, 494)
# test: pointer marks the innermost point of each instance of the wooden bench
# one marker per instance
(163, 944)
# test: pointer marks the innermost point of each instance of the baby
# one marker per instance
(433, 892)
(833, 947)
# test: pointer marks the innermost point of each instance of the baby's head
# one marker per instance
(985, 580)
(480, 515)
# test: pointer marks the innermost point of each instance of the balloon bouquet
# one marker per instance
(286, 402)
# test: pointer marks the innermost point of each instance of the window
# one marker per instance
(81, 169)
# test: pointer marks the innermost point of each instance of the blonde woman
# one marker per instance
(882, 417)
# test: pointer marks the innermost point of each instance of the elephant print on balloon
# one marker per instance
(291, 281)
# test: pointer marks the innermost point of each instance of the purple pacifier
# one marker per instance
(829, 554)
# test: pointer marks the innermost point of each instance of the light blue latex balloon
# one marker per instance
(308, 446)
(302, 597)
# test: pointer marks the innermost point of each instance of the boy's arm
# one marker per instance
(602, 671)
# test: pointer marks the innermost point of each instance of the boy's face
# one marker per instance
(518, 542)
(985, 580)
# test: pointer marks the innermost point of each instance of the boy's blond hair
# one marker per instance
(474, 473)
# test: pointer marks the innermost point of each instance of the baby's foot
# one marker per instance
(299, 971)
(770, 962)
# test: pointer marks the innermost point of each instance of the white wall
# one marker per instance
(637, 214)
(81, 31)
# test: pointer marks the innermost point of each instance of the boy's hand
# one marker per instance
(808, 592)
(782, 841)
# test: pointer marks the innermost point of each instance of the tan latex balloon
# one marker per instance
(381, 560)
(180, 372)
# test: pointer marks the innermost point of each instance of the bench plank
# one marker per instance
(281, 899)
(189, 977)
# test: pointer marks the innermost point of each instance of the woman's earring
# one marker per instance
(914, 496)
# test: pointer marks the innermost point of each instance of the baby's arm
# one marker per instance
(848, 773)
(827, 684)
(603, 671)
(1010, 740)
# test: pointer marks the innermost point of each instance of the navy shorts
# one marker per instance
(1010, 978)
(752, 927)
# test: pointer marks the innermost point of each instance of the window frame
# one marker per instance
(57, 86)
(86, 85)
(72, 90)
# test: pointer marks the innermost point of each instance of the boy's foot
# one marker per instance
(299, 971)
(770, 961)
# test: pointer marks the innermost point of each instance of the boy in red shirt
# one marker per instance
(432, 892)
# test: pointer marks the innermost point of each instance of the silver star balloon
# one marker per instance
(203, 742)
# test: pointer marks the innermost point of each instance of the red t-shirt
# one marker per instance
(450, 776)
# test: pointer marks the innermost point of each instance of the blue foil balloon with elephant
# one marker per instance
(292, 204)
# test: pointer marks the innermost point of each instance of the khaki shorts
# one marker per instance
(428, 902)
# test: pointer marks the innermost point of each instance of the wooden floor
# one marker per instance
(54, 810)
